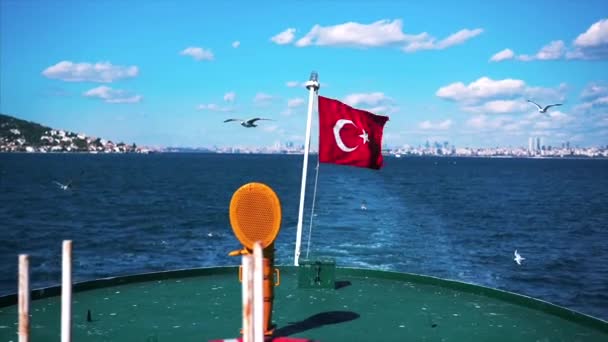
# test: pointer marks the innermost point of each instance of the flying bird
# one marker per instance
(64, 186)
(247, 123)
(67, 185)
(544, 110)
(518, 258)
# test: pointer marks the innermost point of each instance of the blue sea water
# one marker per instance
(456, 218)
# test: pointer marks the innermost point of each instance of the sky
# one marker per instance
(168, 73)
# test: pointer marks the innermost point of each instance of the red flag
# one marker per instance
(349, 136)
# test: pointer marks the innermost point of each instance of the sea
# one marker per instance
(454, 218)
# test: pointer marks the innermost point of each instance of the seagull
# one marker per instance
(247, 123)
(518, 258)
(544, 110)
(363, 206)
(64, 186)
(67, 185)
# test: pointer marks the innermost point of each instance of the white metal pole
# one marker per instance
(247, 298)
(24, 298)
(258, 293)
(313, 86)
(66, 292)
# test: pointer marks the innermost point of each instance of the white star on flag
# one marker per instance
(364, 137)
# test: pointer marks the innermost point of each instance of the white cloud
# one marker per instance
(213, 108)
(197, 53)
(383, 110)
(262, 98)
(533, 116)
(236, 44)
(583, 107)
(554, 120)
(559, 116)
(601, 100)
(375, 102)
(379, 33)
(499, 107)
(554, 50)
(296, 102)
(284, 37)
(577, 54)
(487, 96)
(593, 43)
(230, 96)
(110, 95)
(551, 124)
(459, 37)
(419, 45)
(441, 125)
(383, 32)
(371, 99)
(594, 90)
(547, 94)
(292, 84)
(502, 55)
(103, 72)
(596, 35)
(594, 96)
(293, 106)
(454, 39)
(594, 103)
(482, 88)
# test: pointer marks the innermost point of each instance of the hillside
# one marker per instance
(18, 135)
(30, 131)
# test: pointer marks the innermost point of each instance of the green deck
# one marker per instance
(205, 304)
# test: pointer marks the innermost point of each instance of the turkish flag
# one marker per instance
(349, 136)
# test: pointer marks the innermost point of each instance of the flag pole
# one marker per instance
(24, 298)
(66, 292)
(313, 86)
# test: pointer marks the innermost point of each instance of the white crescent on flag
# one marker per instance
(337, 127)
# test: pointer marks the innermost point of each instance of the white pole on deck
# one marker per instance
(313, 86)
(246, 279)
(24, 298)
(66, 292)
(258, 293)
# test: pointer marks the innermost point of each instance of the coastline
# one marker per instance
(390, 155)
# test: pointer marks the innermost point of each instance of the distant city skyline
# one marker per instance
(32, 140)
(109, 69)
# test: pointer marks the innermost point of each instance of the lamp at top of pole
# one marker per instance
(313, 82)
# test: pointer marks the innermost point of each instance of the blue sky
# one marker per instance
(163, 73)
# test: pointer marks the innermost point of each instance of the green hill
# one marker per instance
(18, 135)
(30, 131)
